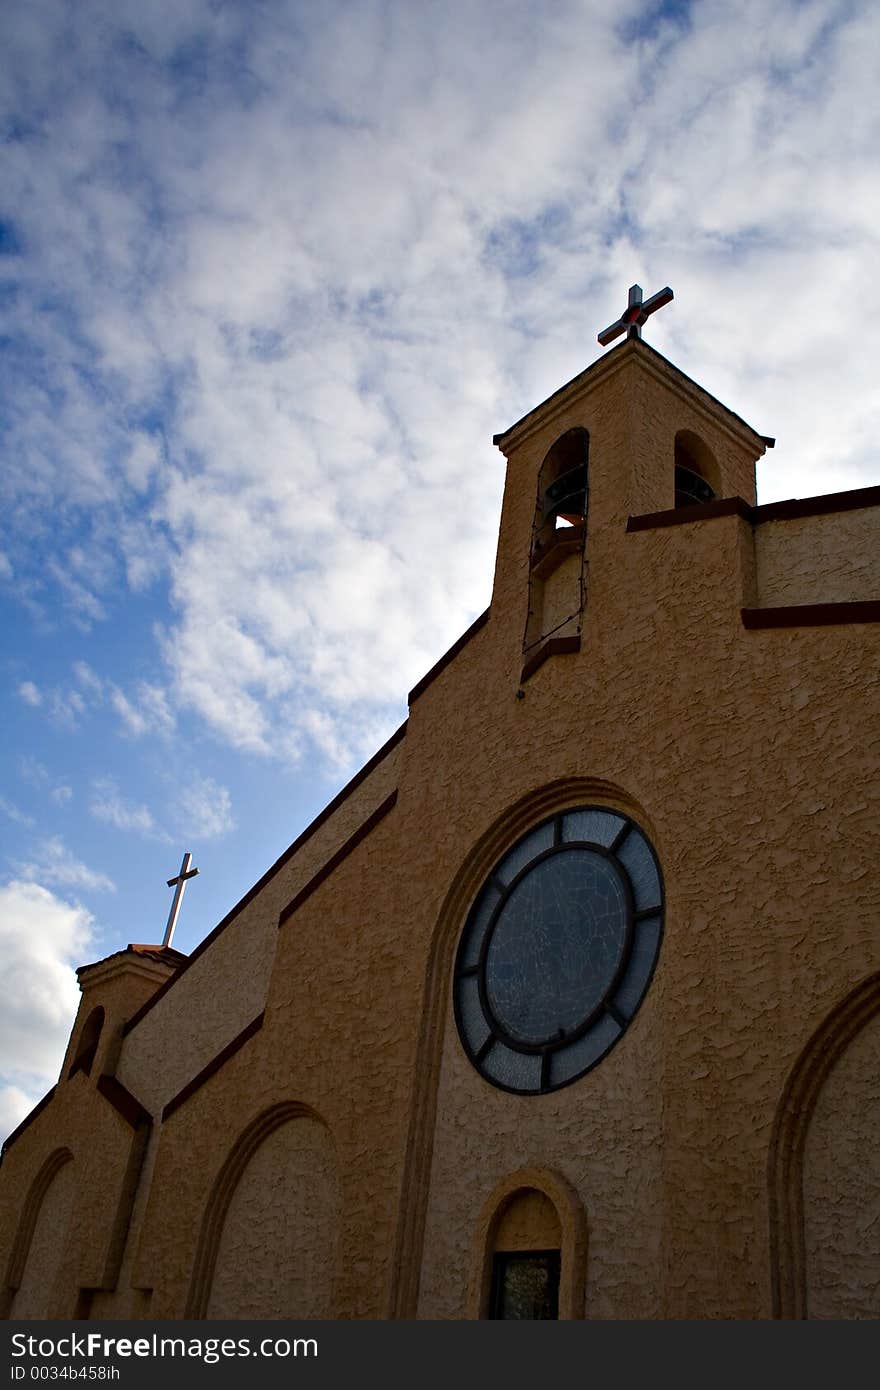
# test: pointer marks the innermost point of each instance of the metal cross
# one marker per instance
(178, 884)
(635, 314)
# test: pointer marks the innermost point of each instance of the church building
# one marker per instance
(568, 1005)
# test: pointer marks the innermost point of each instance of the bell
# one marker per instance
(690, 488)
(567, 496)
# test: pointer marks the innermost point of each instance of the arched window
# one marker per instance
(37, 1254)
(824, 1168)
(696, 470)
(87, 1046)
(530, 1249)
(526, 1258)
(270, 1229)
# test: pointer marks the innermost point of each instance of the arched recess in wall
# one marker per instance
(267, 1247)
(534, 1211)
(87, 1045)
(502, 834)
(556, 571)
(697, 475)
(827, 1083)
(38, 1247)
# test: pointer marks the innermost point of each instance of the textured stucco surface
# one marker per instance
(126, 1300)
(36, 1295)
(277, 1255)
(706, 728)
(749, 758)
(841, 1177)
(560, 598)
(529, 1221)
(819, 559)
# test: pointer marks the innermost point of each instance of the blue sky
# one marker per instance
(271, 275)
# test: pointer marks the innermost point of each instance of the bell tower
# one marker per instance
(630, 436)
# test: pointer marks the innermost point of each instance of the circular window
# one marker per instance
(558, 950)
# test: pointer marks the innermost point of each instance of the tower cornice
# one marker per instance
(606, 366)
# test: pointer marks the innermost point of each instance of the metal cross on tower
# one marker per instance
(178, 884)
(635, 314)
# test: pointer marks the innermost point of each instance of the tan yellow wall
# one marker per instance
(561, 598)
(832, 558)
(529, 1221)
(127, 1300)
(100, 1142)
(277, 1255)
(120, 986)
(760, 798)
(752, 778)
(841, 1181)
(343, 1014)
(38, 1295)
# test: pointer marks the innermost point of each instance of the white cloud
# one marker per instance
(30, 694)
(15, 813)
(67, 707)
(109, 806)
(42, 939)
(88, 679)
(36, 774)
(133, 720)
(290, 321)
(146, 710)
(150, 714)
(85, 605)
(203, 809)
(53, 863)
(33, 771)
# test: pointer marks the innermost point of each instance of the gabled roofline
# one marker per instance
(270, 873)
(28, 1120)
(611, 362)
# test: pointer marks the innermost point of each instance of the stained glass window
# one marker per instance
(525, 1284)
(558, 950)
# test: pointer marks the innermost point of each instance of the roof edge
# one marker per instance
(28, 1120)
(311, 828)
(610, 362)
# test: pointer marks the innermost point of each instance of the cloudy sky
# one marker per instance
(271, 275)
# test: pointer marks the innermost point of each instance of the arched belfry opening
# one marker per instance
(697, 477)
(87, 1046)
(556, 581)
(562, 489)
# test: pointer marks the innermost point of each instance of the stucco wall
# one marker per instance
(277, 1255)
(560, 598)
(832, 558)
(528, 1221)
(841, 1177)
(758, 788)
(37, 1296)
